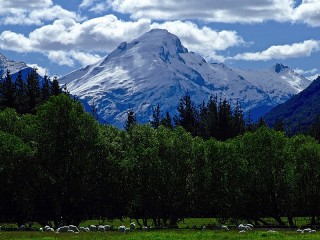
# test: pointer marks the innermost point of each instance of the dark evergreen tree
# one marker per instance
(33, 90)
(21, 104)
(188, 115)
(156, 117)
(45, 90)
(131, 120)
(55, 87)
(238, 122)
(279, 125)
(8, 92)
(167, 121)
(225, 120)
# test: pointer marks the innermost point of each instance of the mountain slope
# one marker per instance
(300, 111)
(14, 68)
(156, 68)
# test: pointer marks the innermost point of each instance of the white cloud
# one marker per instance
(311, 74)
(68, 58)
(205, 41)
(87, 3)
(308, 12)
(98, 34)
(23, 4)
(41, 70)
(32, 12)
(61, 58)
(303, 49)
(105, 33)
(229, 11)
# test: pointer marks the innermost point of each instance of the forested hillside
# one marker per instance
(59, 164)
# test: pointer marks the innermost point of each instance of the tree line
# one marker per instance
(59, 164)
(25, 95)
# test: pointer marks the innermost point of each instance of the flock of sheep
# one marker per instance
(249, 227)
(123, 229)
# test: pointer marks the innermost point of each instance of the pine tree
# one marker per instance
(167, 121)
(188, 115)
(55, 87)
(33, 90)
(156, 115)
(8, 91)
(21, 95)
(238, 122)
(225, 120)
(131, 120)
(45, 90)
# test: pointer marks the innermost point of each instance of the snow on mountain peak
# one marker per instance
(156, 68)
(12, 66)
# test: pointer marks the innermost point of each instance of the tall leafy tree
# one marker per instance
(55, 87)
(67, 144)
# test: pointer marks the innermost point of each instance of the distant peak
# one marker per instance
(279, 67)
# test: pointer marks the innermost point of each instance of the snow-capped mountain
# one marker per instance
(14, 68)
(156, 68)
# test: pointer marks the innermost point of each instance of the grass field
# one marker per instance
(163, 235)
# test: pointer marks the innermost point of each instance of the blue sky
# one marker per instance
(59, 36)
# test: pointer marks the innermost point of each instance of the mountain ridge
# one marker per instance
(157, 68)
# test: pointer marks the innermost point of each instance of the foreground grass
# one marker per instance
(164, 235)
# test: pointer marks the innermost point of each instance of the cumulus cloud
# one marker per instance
(21, 12)
(96, 6)
(302, 49)
(104, 34)
(23, 4)
(308, 12)
(229, 11)
(204, 41)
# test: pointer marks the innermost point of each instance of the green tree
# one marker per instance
(156, 117)
(7, 92)
(21, 104)
(55, 87)
(33, 90)
(187, 115)
(67, 144)
(167, 121)
(131, 120)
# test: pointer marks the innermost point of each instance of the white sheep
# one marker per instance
(224, 227)
(73, 228)
(101, 228)
(204, 228)
(107, 227)
(313, 231)
(299, 231)
(132, 226)
(93, 228)
(308, 230)
(49, 229)
(40, 229)
(62, 229)
(145, 228)
(122, 228)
